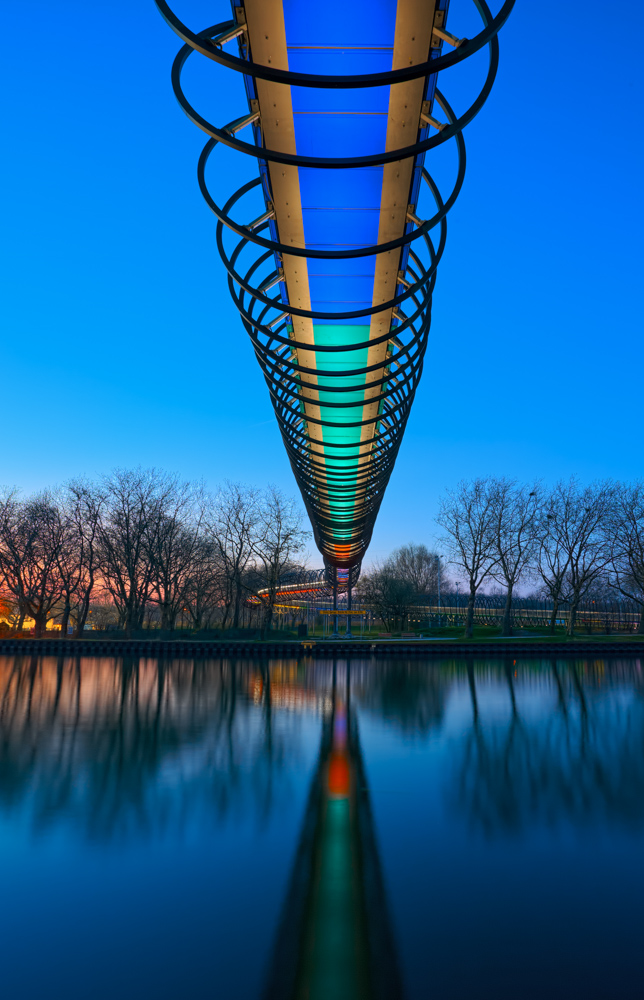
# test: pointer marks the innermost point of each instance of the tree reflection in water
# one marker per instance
(124, 745)
(122, 751)
(570, 752)
(406, 693)
(132, 746)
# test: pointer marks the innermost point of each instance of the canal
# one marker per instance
(284, 829)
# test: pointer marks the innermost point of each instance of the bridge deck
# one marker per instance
(341, 209)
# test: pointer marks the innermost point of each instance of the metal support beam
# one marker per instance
(447, 36)
(430, 120)
(335, 604)
(264, 217)
(227, 36)
(348, 634)
(439, 34)
(277, 320)
(272, 282)
(411, 215)
(239, 123)
(237, 29)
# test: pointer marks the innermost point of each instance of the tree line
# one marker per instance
(141, 540)
(141, 545)
(567, 541)
(565, 544)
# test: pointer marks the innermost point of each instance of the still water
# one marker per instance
(374, 829)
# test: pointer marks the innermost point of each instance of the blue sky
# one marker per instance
(121, 345)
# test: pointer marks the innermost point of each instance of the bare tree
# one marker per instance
(552, 554)
(230, 524)
(205, 588)
(277, 537)
(171, 549)
(467, 515)
(68, 569)
(80, 508)
(420, 568)
(626, 538)
(577, 520)
(515, 529)
(390, 596)
(31, 538)
(134, 512)
(83, 509)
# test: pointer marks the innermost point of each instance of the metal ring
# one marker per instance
(469, 47)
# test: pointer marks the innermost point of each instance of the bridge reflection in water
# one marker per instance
(335, 939)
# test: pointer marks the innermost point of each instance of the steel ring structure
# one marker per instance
(333, 277)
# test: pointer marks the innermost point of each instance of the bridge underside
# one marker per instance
(344, 408)
(334, 277)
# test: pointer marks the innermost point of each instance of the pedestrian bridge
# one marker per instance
(332, 248)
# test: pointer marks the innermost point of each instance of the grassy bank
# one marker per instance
(450, 635)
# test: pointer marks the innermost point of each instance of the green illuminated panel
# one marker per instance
(337, 336)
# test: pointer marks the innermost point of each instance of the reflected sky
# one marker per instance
(511, 831)
(148, 816)
(152, 815)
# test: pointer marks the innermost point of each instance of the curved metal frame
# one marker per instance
(361, 477)
(198, 43)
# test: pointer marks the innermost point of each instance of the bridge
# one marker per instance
(332, 248)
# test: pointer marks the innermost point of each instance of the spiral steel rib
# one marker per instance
(342, 380)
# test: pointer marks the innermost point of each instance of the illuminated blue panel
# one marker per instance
(341, 208)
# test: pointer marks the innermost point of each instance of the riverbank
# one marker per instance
(173, 648)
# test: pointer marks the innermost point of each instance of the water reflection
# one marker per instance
(134, 746)
(570, 752)
(405, 693)
(275, 771)
(126, 743)
(121, 743)
(335, 938)
(511, 831)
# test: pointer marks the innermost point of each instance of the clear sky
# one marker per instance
(121, 345)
